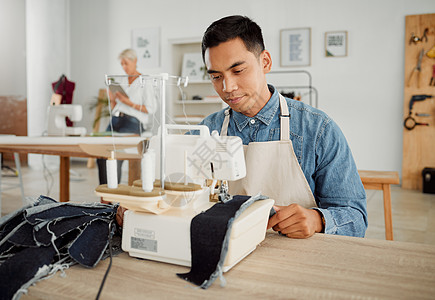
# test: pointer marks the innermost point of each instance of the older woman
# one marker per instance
(131, 112)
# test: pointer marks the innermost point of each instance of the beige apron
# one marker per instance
(272, 168)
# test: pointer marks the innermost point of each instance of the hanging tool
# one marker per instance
(431, 53)
(416, 98)
(422, 115)
(432, 80)
(410, 122)
(415, 39)
(417, 70)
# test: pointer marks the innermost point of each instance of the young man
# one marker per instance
(295, 154)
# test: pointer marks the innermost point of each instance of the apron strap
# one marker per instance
(284, 119)
(224, 129)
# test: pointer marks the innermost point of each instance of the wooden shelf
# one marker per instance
(198, 86)
(199, 81)
(188, 119)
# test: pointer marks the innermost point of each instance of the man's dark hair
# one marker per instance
(232, 27)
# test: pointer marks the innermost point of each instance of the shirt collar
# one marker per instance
(265, 115)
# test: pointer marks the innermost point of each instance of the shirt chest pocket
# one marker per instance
(297, 141)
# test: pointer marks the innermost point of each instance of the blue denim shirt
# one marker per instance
(322, 152)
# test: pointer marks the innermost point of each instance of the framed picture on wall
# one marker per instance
(146, 43)
(295, 45)
(193, 67)
(336, 43)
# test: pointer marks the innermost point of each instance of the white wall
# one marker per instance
(13, 48)
(47, 56)
(90, 38)
(362, 92)
(47, 34)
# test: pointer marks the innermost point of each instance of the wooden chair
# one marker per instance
(381, 180)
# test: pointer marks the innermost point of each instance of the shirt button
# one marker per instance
(252, 121)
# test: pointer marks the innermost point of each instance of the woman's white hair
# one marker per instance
(128, 54)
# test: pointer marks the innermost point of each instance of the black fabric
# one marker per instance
(10, 225)
(95, 234)
(6, 248)
(59, 228)
(207, 234)
(21, 268)
(22, 237)
(43, 237)
(66, 210)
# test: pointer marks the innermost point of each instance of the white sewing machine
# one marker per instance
(56, 120)
(158, 227)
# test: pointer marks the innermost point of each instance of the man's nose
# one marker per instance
(229, 85)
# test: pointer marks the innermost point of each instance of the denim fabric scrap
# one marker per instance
(21, 268)
(95, 234)
(11, 226)
(47, 236)
(209, 239)
(59, 228)
(21, 237)
(66, 210)
(25, 264)
(41, 200)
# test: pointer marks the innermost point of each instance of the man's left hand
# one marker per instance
(296, 221)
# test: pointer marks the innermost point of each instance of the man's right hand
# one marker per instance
(296, 221)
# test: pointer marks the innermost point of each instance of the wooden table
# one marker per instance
(323, 266)
(65, 151)
(382, 180)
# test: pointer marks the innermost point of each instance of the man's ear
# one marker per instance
(266, 61)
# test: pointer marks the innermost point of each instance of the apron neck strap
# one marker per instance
(224, 129)
(284, 119)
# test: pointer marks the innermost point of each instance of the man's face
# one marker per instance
(239, 76)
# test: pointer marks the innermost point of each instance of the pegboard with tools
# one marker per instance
(419, 99)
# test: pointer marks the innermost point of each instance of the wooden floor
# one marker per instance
(413, 211)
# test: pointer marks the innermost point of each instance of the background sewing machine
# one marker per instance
(56, 120)
(158, 227)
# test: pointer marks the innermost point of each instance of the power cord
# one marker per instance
(112, 232)
(48, 176)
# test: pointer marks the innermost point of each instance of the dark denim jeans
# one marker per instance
(121, 124)
(48, 236)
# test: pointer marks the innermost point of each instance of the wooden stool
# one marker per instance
(381, 180)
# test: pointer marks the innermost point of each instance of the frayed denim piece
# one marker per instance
(210, 233)
(47, 236)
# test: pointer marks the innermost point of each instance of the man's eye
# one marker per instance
(238, 71)
(215, 77)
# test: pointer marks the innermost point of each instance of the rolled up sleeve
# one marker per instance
(339, 192)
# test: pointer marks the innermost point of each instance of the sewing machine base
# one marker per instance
(166, 237)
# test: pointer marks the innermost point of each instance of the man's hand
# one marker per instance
(296, 221)
(120, 215)
(119, 212)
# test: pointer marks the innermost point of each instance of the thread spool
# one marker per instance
(112, 171)
(148, 170)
